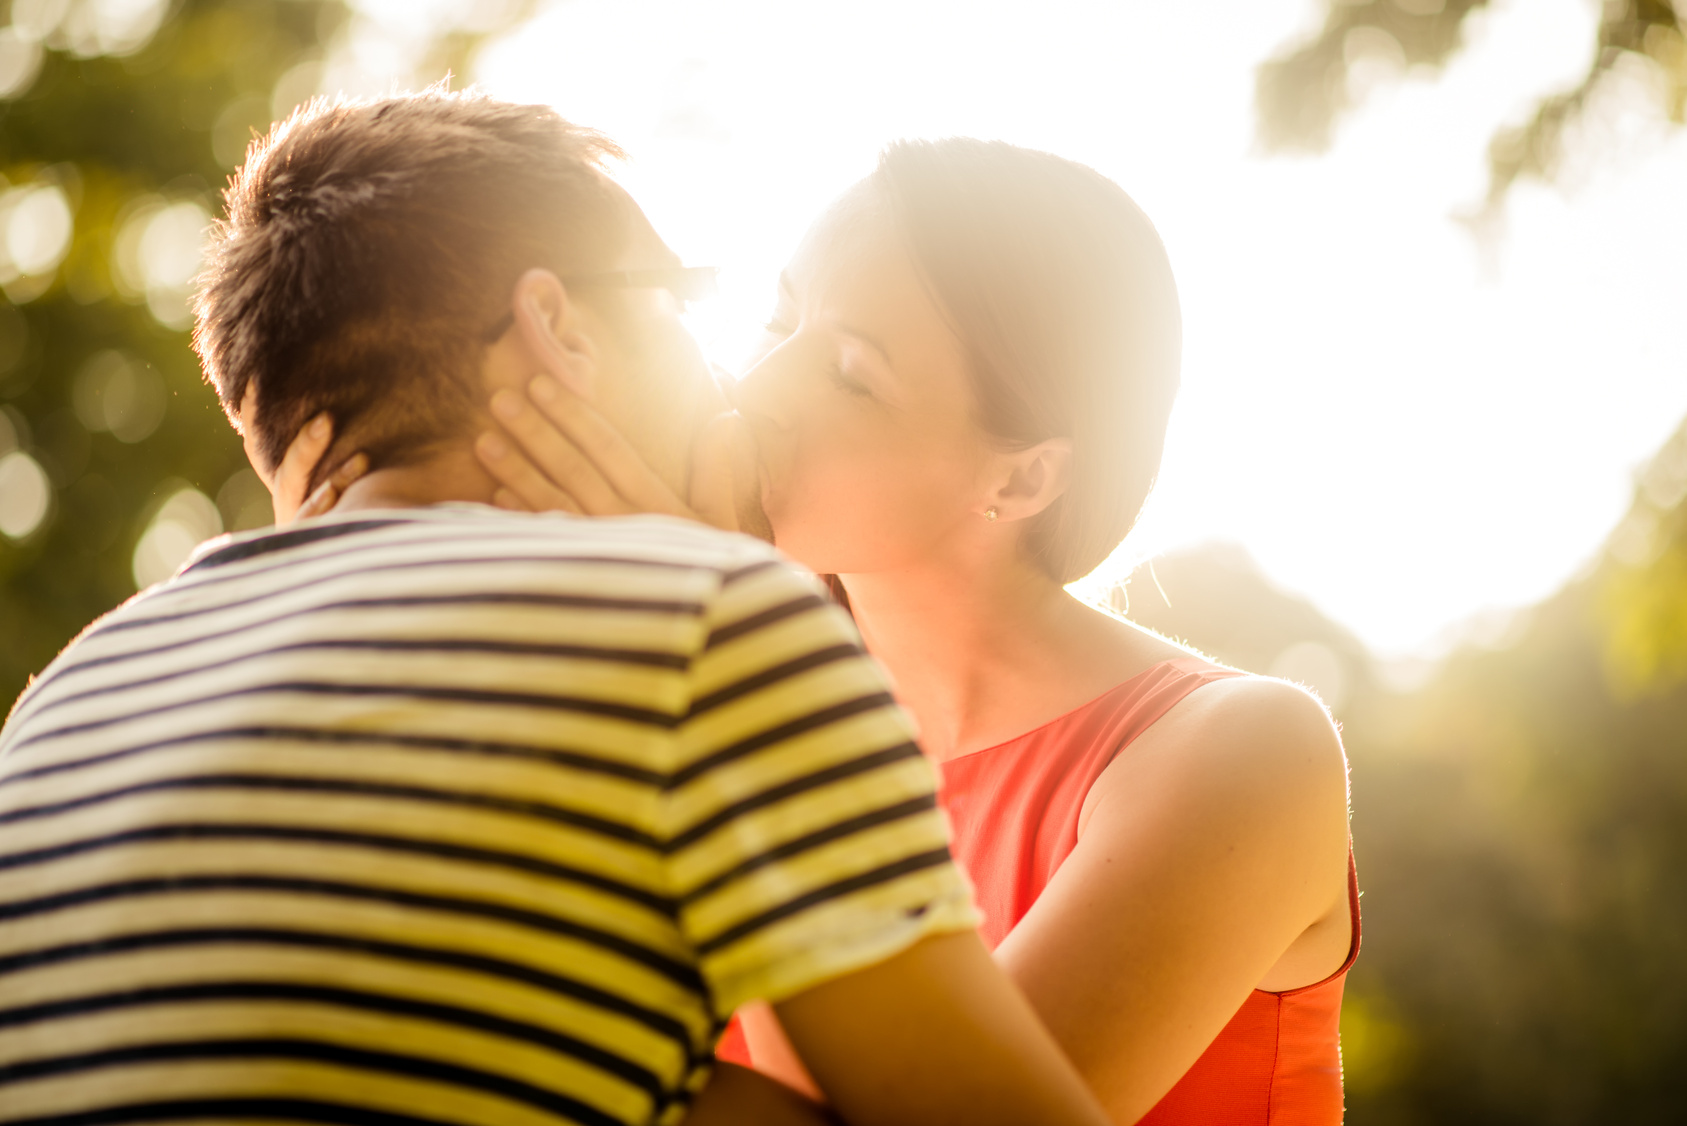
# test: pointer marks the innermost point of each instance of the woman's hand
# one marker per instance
(558, 453)
(292, 478)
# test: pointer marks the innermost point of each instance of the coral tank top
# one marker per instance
(1013, 811)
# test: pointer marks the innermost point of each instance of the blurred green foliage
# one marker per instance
(1643, 598)
(1302, 92)
(123, 131)
(114, 130)
(1521, 820)
(1520, 823)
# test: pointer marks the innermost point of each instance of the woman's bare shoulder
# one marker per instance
(1243, 741)
(1258, 701)
(1239, 727)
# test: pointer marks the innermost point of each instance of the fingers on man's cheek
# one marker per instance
(493, 449)
(496, 453)
(523, 423)
(520, 480)
(542, 438)
(508, 405)
(548, 394)
(565, 466)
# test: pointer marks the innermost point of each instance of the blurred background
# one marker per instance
(1430, 457)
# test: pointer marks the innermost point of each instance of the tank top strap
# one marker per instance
(1138, 704)
(1014, 808)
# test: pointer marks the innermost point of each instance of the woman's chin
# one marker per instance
(819, 557)
(807, 539)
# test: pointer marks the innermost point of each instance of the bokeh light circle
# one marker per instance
(25, 495)
(184, 521)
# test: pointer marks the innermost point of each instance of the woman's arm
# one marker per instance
(737, 1095)
(931, 1036)
(1209, 849)
(1207, 852)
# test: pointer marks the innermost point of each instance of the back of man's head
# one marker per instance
(371, 247)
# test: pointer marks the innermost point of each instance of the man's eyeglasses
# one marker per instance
(686, 283)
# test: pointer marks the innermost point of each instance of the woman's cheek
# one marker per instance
(828, 517)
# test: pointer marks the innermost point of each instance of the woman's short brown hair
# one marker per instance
(1060, 289)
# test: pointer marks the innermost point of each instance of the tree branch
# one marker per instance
(1302, 93)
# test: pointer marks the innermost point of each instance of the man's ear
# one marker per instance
(547, 324)
(1031, 479)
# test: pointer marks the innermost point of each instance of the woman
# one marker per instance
(959, 409)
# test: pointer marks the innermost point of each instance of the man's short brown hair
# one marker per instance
(370, 245)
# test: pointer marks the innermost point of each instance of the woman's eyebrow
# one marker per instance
(789, 290)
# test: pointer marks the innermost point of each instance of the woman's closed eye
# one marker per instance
(849, 386)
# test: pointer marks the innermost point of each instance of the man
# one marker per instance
(430, 813)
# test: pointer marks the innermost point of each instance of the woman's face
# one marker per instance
(862, 407)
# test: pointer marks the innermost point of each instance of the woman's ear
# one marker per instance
(547, 324)
(1033, 479)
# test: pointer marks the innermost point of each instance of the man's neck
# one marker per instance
(453, 474)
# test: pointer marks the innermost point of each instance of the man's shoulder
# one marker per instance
(416, 562)
(475, 537)
(474, 553)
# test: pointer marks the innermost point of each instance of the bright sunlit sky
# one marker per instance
(1395, 424)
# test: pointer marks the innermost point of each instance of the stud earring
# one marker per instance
(991, 513)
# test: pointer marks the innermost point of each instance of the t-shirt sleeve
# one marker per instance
(803, 835)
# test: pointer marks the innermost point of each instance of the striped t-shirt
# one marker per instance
(446, 816)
